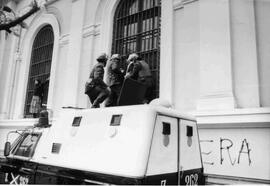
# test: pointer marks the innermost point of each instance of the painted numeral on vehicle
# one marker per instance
(191, 179)
(163, 182)
(16, 179)
(24, 180)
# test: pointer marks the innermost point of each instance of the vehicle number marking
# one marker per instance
(17, 179)
(163, 182)
(24, 180)
(191, 179)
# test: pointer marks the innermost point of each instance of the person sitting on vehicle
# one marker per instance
(115, 78)
(95, 87)
(139, 70)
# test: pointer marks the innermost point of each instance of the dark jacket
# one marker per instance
(97, 71)
(115, 76)
(138, 70)
(39, 91)
(97, 75)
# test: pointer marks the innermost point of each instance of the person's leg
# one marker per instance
(93, 94)
(149, 91)
(109, 101)
(104, 93)
(91, 98)
(115, 92)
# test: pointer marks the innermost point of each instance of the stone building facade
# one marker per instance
(213, 60)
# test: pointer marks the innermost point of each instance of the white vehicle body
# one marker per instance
(148, 144)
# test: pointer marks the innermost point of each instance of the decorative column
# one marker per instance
(2, 47)
(166, 51)
(216, 89)
(244, 54)
(70, 92)
(7, 76)
(2, 52)
(90, 33)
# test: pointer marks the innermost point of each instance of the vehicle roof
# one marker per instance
(97, 146)
(171, 112)
(138, 108)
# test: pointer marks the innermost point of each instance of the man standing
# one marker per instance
(35, 106)
(115, 79)
(95, 87)
(139, 70)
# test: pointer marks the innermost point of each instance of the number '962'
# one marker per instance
(191, 179)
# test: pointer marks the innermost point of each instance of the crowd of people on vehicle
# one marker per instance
(99, 90)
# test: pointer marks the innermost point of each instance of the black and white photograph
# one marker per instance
(135, 92)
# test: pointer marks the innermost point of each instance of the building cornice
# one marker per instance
(236, 118)
(91, 30)
(178, 4)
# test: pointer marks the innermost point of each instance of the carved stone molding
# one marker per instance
(91, 30)
(178, 4)
(64, 40)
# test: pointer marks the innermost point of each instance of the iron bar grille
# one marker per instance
(40, 65)
(137, 29)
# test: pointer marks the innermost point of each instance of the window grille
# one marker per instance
(40, 65)
(137, 29)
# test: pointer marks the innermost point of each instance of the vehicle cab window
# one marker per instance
(26, 147)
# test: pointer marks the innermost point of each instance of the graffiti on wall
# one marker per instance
(225, 150)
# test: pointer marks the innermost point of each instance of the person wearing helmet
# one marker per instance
(133, 67)
(115, 78)
(139, 70)
(95, 87)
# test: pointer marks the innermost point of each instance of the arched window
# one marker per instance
(40, 65)
(137, 29)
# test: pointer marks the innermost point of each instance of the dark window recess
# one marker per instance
(137, 29)
(166, 128)
(40, 65)
(116, 120)
(26, 147)
(189, 131)
(56, 148)
(76, 121)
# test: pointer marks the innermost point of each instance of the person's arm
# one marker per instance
(128, 70)
(99, 72)
(92, 73)
(115, 67)
(135, 70)
(91, 76)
